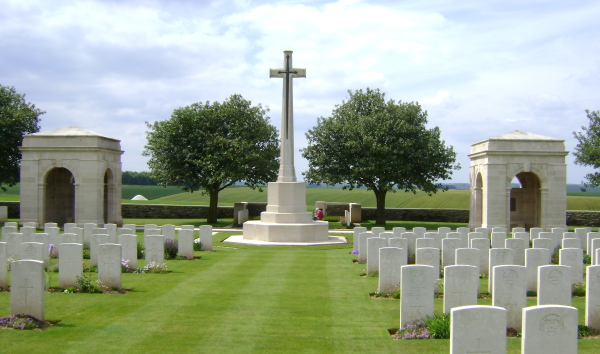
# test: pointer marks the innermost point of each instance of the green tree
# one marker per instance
(211, 146)
(378, 144)
(587, 151)
(17, 118)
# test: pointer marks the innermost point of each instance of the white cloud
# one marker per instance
(479, 68)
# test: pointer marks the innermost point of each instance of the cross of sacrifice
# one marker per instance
(286, 167)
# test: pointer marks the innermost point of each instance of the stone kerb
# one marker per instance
(27, 288)
(468, 335)
(549, 329)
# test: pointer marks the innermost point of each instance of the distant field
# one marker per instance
(451, 199)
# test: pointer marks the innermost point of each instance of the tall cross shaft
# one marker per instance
(287, 172)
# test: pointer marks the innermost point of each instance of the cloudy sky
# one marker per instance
(480, 68)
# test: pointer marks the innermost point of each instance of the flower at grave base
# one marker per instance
(356, 251)
(52, 251)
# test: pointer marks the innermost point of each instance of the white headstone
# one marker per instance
(186, 243)
(34, 251)
(87, 231)
(463, 239)
(510, 292)
(206, 237)
(549, 329)
(554, 285)
(592, 297)
(534, 258)
(390, 261)
(95, 241)
(483, 245)
(168, 231)
(357, 230)
(522, 235)
(582, 236)
(449, 246)
(373, 246)
(3, 267)
(425, 242)
(518, 247)
(13, 245)
(377, 230)
(70, 264)
(534, 232)
(28, 232)
(412, 246)
(111, 230)
(571, 243)
(155, 249)
(498, 256)
(362, 244)
(431, 257)
(573, 257)
(128, 248)
(419, 231)
(498, 239)
(109, 265)
(27, 288)
(467, 335)
(460, 286)
(53, 236)
(8, 230)
(399, 242)
(545, 243)
(416, 294)
(594, 245)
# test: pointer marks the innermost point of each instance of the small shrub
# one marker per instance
(531, 293)
(482, 276)
(154, 267)
(86, 285)
(197, 245)
(374, 274)
(128, 266)
(343, 224)
(579, 289)
(141, 251)
(86, 250)
(438, 326)
(416, 331)
(396, 295)
(585, 331)
(25, 322)
(556, 256)
(171, 248)
(587, 259)
(361, 260)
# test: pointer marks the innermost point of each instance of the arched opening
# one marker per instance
(478, 201)
(109, 197)
(59, 196)
(525, 201)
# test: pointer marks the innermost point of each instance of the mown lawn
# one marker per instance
(237, 299)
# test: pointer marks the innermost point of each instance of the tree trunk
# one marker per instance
(380, 215)
(212, 208)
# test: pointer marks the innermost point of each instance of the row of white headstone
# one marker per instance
(389, 255)
(27, 273)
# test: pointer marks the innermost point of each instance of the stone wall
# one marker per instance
(158, 211)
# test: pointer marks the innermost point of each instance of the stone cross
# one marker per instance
(287, 172)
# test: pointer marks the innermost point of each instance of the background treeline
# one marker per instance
(138, 179)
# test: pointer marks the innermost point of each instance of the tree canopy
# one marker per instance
(378, 144)
(211, 146)
(587, 151)
(17, 118)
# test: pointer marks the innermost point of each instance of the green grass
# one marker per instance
(237, 299)
(451, 199)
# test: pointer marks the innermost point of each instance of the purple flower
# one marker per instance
(355, 251)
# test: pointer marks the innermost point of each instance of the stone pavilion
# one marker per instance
(538, 164)
(70, 175)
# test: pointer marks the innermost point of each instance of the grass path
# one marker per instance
(237, 299)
